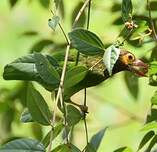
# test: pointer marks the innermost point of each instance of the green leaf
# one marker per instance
(55, 132)
(46, 71)
(29, 33)
(153, 73)
(26, 116)
(132, 84)
(86, 42)
(140, 31)
(97, 138)
(116, 7)
(153, 5)
(74, 76)
(150, 126)
(53, 22)
(45, 3)
(21, 69)
(13, 2)
(82, 20)
(40, 45)
(89, 148)
(66, 148)
(152, 116)
(126, 10)
(154, 54)
(24, 68)
(146, 139)
(110, 57)
(123, 149)
(152, 143)
(73, 115)
(23, 145)
(154, 99)
(37, 106)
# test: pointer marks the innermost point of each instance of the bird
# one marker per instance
(126, 62)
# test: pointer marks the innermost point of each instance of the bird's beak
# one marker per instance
(139, 68)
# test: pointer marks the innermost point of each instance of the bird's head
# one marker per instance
(128, 62)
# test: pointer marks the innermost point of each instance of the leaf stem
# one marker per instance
(151, 20)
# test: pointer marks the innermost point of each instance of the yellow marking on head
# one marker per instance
(127, 58)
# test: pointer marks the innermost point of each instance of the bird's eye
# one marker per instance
(131, 57)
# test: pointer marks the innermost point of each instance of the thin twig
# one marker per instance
(80, 12)
(61, 80)
(65, 116)
(151, 21)
(85, 122)
(77, 58)
(60, 26)
(88, 16)
(91, 68)
(85, 90)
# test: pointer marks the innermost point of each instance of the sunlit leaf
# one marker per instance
(53, 22)
(37, 106)
(74, 76)
(73, 115)
(23, 145)
(126, 10)
(110, 57)
(86, 42)
(146, 139)
(26, 116)
(150, 126)
(97, 138)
